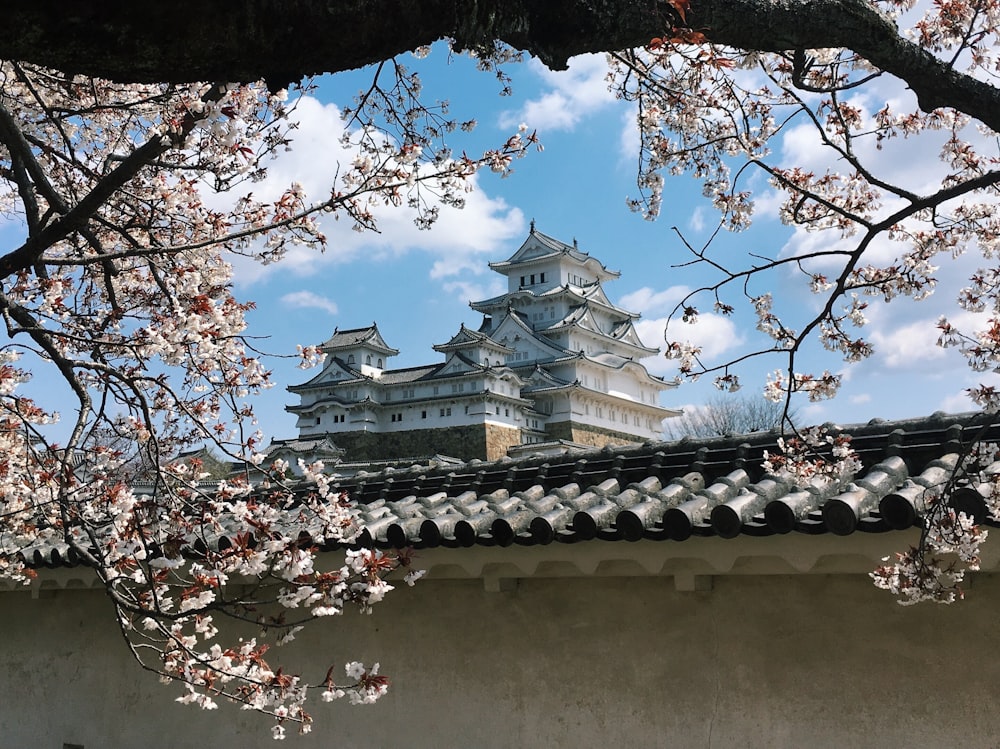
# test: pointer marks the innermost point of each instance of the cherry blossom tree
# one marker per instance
(121, 282)
(719, 112)
(121, 285)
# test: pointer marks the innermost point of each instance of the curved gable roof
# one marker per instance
(369, 337)
(538, 247)
(468, 338)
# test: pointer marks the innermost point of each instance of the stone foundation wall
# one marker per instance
(585, 434)
(499, 438)
(486, 442)
(483, 441)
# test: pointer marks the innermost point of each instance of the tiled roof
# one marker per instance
(370, 336)
(661, 491)
(410, 374)
(540, 246)
(304, 445)
(466, 337)
(664, 491)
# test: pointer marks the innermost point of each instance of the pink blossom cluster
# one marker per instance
(717, 113)
(950, 540)
(813, 455)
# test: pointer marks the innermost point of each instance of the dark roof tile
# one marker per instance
(657, 491)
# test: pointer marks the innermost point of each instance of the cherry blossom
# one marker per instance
(122, 286)
(719, 113)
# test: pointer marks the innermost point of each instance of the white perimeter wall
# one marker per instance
(757, 661)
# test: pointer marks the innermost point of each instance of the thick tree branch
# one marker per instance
(285, 40)
(780, 25)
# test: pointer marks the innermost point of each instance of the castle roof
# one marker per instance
(466, 338)
(316, 446)
(590, 293)
(539, 248)
(368, 337)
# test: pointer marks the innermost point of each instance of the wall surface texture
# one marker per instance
(587, 434)
(756, 661)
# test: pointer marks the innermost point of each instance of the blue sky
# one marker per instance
(417, 284)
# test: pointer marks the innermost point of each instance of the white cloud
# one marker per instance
(959, 399)
(629, 141)
(467, 291)
(456, 242)
(912, 346)
(572, 95)
(648, 301)
(715, 334)
(860, 399)
(697, 221)
(957, 403)
(309, 300)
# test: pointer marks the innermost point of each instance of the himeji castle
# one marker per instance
(553, 362)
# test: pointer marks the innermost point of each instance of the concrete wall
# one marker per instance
(781, 661)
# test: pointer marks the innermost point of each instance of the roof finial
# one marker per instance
(532, 226)
(574, 243)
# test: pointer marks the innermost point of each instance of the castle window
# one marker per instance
(522, 280)
(350, 358)
(379, 363)
(368, 360)
(498, 410)
(435, 390)
(423, 414)
(542, 278)
(532, 279)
